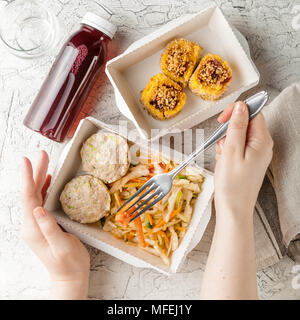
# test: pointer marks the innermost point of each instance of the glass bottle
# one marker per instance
(70, 79)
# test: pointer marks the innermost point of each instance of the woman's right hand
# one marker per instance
(242, 159)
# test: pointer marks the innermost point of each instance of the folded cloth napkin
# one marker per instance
(283, 119)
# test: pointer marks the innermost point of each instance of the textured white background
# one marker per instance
(274, 45)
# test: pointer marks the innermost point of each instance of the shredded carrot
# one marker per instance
(124, 215)
(150, 175)
(134, 184)
(180, 228)
(139, 230)
(165, 237)
(126, 206)
(167, 167)
(158, 225)
(175, 212)
(151, 170)
(138, 180)
(129, 236)
(150, 219)
(162, 165)
(162, 222)
(115, 234)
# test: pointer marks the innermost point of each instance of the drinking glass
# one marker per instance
(27, 28)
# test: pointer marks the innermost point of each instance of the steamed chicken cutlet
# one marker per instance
(85, 199)
(105, 155)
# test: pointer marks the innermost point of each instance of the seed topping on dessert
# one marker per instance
(178, 59)
(165, 97)
(213, 73)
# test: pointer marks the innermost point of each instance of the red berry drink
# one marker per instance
(70, 79)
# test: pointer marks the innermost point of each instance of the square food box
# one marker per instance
(130, 72)
(69, 166)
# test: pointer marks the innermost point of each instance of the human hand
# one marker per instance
(242, 158)
(64, 256)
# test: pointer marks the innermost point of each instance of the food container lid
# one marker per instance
(99, 23)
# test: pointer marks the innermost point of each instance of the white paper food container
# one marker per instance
(68, 167)
(130, 71)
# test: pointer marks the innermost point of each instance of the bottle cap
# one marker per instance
(99, 23)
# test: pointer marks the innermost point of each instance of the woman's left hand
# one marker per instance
(64, 256)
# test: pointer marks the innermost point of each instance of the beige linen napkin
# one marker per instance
(283, 118)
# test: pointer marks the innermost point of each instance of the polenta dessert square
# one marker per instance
(163, 97)
(179, 60)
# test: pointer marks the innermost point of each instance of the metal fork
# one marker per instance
(161, 184)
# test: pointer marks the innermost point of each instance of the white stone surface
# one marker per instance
(274, 45)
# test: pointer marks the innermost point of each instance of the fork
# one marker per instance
(161, 184)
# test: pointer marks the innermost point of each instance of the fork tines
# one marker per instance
(152, 185)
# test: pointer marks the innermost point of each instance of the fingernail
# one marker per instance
(239, 108)
(39, 213)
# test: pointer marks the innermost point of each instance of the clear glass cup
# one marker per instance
(27, 28)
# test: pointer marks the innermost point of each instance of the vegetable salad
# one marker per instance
(160, 229)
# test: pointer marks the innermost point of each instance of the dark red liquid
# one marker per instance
(68, 84)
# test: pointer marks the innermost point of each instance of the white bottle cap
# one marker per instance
(99, 23)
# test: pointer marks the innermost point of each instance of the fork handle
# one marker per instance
(255, 104)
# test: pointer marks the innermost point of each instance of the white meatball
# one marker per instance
(106, 156)
(85, 199)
